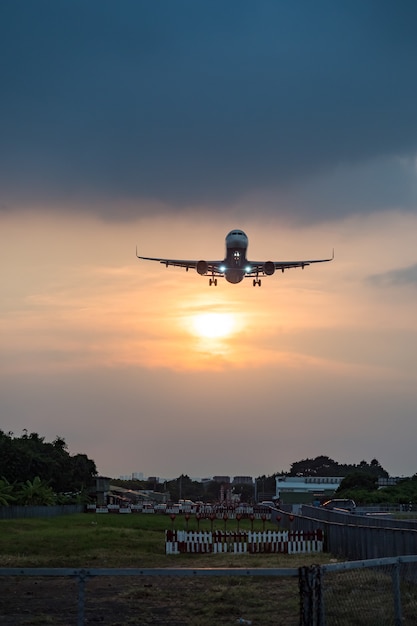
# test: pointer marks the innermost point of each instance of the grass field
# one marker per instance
(135, 540)
(138, 541)
(92, 540)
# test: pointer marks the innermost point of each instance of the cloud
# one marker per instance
(189, 105)
(397, 277)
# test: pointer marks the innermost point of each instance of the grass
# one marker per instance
(135, 540)
(138, 541)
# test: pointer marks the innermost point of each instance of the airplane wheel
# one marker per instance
(259, 282)
(254, 282)
(215, 282)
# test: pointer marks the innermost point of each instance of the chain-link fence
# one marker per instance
(378, 592)
(182, 597)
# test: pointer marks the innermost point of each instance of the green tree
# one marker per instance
(319, 466)
(245, 492)
(23, 458)
(6, 492)
(325, 466)
(264, 487)
(82, 469)
(36, 492)
(212, 491)
(358, 480)
(373, 468)
(403, 492)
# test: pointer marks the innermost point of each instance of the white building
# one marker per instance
(305, 489)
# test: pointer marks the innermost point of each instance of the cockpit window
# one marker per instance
(236, 233)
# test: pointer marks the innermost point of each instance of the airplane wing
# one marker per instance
(212, 267)
(259, 266)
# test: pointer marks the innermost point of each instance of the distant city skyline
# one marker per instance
(162, 480)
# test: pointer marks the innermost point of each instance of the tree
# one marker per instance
(29, 456)
(6, 492)
(359, 481)
(82, 469)
(320, 466)
(212, 491)
(403, 492)
(325, 466)
(36, 492)
(373, 468)
(245, 492)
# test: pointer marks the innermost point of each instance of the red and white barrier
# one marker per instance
(258, 513)
(116, 508)
(269, 541)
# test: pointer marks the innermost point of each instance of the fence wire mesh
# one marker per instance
(341, 594)
(384, 595)
(160, 601)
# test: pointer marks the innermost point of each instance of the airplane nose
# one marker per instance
(237, 239)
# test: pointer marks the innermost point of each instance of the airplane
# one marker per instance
(235, 266)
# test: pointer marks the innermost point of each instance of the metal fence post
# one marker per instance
(311, 596)
(82, 577)
(397, 594)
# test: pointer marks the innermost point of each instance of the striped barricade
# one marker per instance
(184, 541)
(270, 541)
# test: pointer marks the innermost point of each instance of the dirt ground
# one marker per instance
(120, 601)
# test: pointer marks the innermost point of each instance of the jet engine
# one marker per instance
(202, 267)
(269, 268)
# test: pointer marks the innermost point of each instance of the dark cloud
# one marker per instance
(380, 184)
(188, 102)
(401, 276)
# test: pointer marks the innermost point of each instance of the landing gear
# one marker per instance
(257, 281)
(213, 281)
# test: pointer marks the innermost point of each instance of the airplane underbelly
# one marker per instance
(234, 276)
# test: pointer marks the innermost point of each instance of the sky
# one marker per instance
(164, 125)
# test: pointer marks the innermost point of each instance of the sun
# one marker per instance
(213, 325)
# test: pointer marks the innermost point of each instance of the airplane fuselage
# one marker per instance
(236, 264)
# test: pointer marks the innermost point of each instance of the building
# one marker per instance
(242, 480)
(132, 476)
(390, 481)
(305, 489)
(225, 480)
(102, 490)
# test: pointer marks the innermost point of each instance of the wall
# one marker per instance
(15, 512)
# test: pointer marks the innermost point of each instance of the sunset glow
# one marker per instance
(213, 325)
